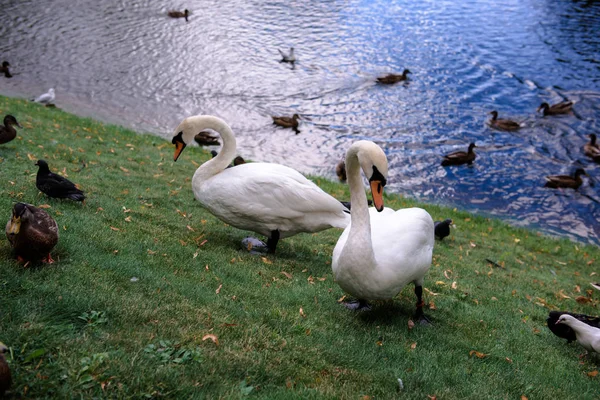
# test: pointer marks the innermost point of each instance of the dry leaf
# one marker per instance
(523, 397)
(446, 273)
(211, 337)
(287, 274)
(508, 359)
(477, 354)
(128, 219)
(430, 292)
(124, 169)
(582, 299)
(302, 313)
(413, 346)
(440, 283)
(342, 299)
(114, 229)
(454, 285)
(432, 397)
(592, 373)
(190, 228)
(219, 289)
(44, 206)
(411, 324)
(562, 295)
(266, 260)
(432, 305)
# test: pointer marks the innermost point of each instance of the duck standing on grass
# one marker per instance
(7, 131)
(460, 157)
(587, 336)
(54, 185)
(5, 376)
(4, 69)
(269, 199)
(442, 229)
(556, 109)
(382, 250)
(32, 233)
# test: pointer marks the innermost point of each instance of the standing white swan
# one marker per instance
(382, 250)
(270, 199)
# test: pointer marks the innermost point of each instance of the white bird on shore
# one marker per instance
(289, 58)
(382, 250)
(46, 98)
(587, 336)
(270, 199)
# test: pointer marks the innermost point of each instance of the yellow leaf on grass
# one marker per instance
(302, 313)
(562, 295)
(114, 229)
(219, 289)
(592, 373)
(411, 324)
(266, 260)
(454, 285)
(44, 206)
(413, 345)
(477, 354)
(287, 274)
(124, 169)
(211, 337)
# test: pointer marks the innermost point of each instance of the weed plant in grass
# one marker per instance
(151, 296)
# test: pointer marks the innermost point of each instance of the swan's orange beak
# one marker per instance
(377, 193)
(179, 146)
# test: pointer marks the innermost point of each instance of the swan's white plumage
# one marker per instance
(380, 252)
(259, 197)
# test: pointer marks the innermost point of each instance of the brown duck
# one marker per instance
(5, 376)
(7, 131)
(503, 124)
(204, 138)
(287, 122)
(179, 14)
(592, 149)
(555, 109)
(340, 171)
(460, 157)
(32, 233)
(566, 181)
(394, 78)
(4, 69)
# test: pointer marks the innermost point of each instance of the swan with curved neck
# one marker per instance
(270, 199)
(382, 250)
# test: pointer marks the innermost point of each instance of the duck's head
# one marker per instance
(5, 64)
(544, 106)
(295, 116)
(374, 164)
(43, 165)
(472, 146)
(406, 71)
(19, 214)
(592, 138)
(494, 114)
(579, 172)
(11, 120)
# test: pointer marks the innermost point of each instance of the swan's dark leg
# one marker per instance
(357, 305)
(419, 315)
(272, 242)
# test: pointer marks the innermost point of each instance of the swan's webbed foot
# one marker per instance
(254, 245)
(357, 305)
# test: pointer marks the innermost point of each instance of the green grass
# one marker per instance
(81, 328)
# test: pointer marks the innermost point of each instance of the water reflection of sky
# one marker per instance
(127, 63)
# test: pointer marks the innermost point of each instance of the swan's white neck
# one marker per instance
(228, 151)
(358, 246)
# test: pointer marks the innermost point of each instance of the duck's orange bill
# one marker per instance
(179, 146)
(377, 193)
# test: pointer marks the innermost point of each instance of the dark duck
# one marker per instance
(503, 124)
(54, 185)
(441, 229)
(566, 181)
(390, 79)
(556, 109)
(4, 69)
(7, 131)
(460, 157)
(32, 233)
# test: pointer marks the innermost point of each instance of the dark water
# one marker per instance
(128, 63)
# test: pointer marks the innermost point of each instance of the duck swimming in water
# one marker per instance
(566, 181)
(394, 78)
(460, 157)
(556, 109)
(503, 124)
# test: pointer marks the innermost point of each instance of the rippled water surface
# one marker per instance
(126, 62)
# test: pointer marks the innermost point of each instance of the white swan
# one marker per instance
(380, 252)
(270, 199)
(46, 98)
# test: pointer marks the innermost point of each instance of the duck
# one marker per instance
(56, 186)
(32, 233)
(269, 199)
(340, 171)
(460, 157)
(555, 109)
(394, 78)
(382, 250)
(4, 69)
(205, 138)
(592, 149)
(587, 336)
(442, 229)
(236, 161)
(7, 131)
(179, 14)
(46, 98)
(565, 332)
(566, 181)
(5, 376)
(288, 58)
(503, 124)
(287, 122)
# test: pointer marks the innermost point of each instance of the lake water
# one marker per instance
(126, 62)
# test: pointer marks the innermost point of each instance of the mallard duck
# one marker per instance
(393, 78)
(205, 138)
(54, 185)
(564, 331)
(592, 149)
(460, 157)
(340, 171)
(554, 109)
(32, 233)
(179, 14)
(5, 377)
(382, 250)
(46, 98)
(287, 122)
(442, 228)
(269, 199)
(289, 58)
(7, 132)
(566, 181)
(4, 69)
(503, 124)
(587, 336)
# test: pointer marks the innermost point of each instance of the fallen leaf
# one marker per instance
(124, 169)
(287, 274)
(432, 305)
(477, 354)
(430, 292)
(508, 359)
(44, 206)
(473, 244)
(411, 324)
(219, 289)
(341, 299)
(446, 273)
(562, 295)
(440, 283)
(128, 219)
(432, 397)
(114, 229)
(582, 299)
(523, 397)
(454, 285)
(211, 337)
(592, 373)
(190, 228)
(413, 346)
(266, 260)
(302, 313)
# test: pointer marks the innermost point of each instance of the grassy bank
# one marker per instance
(151, 296)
